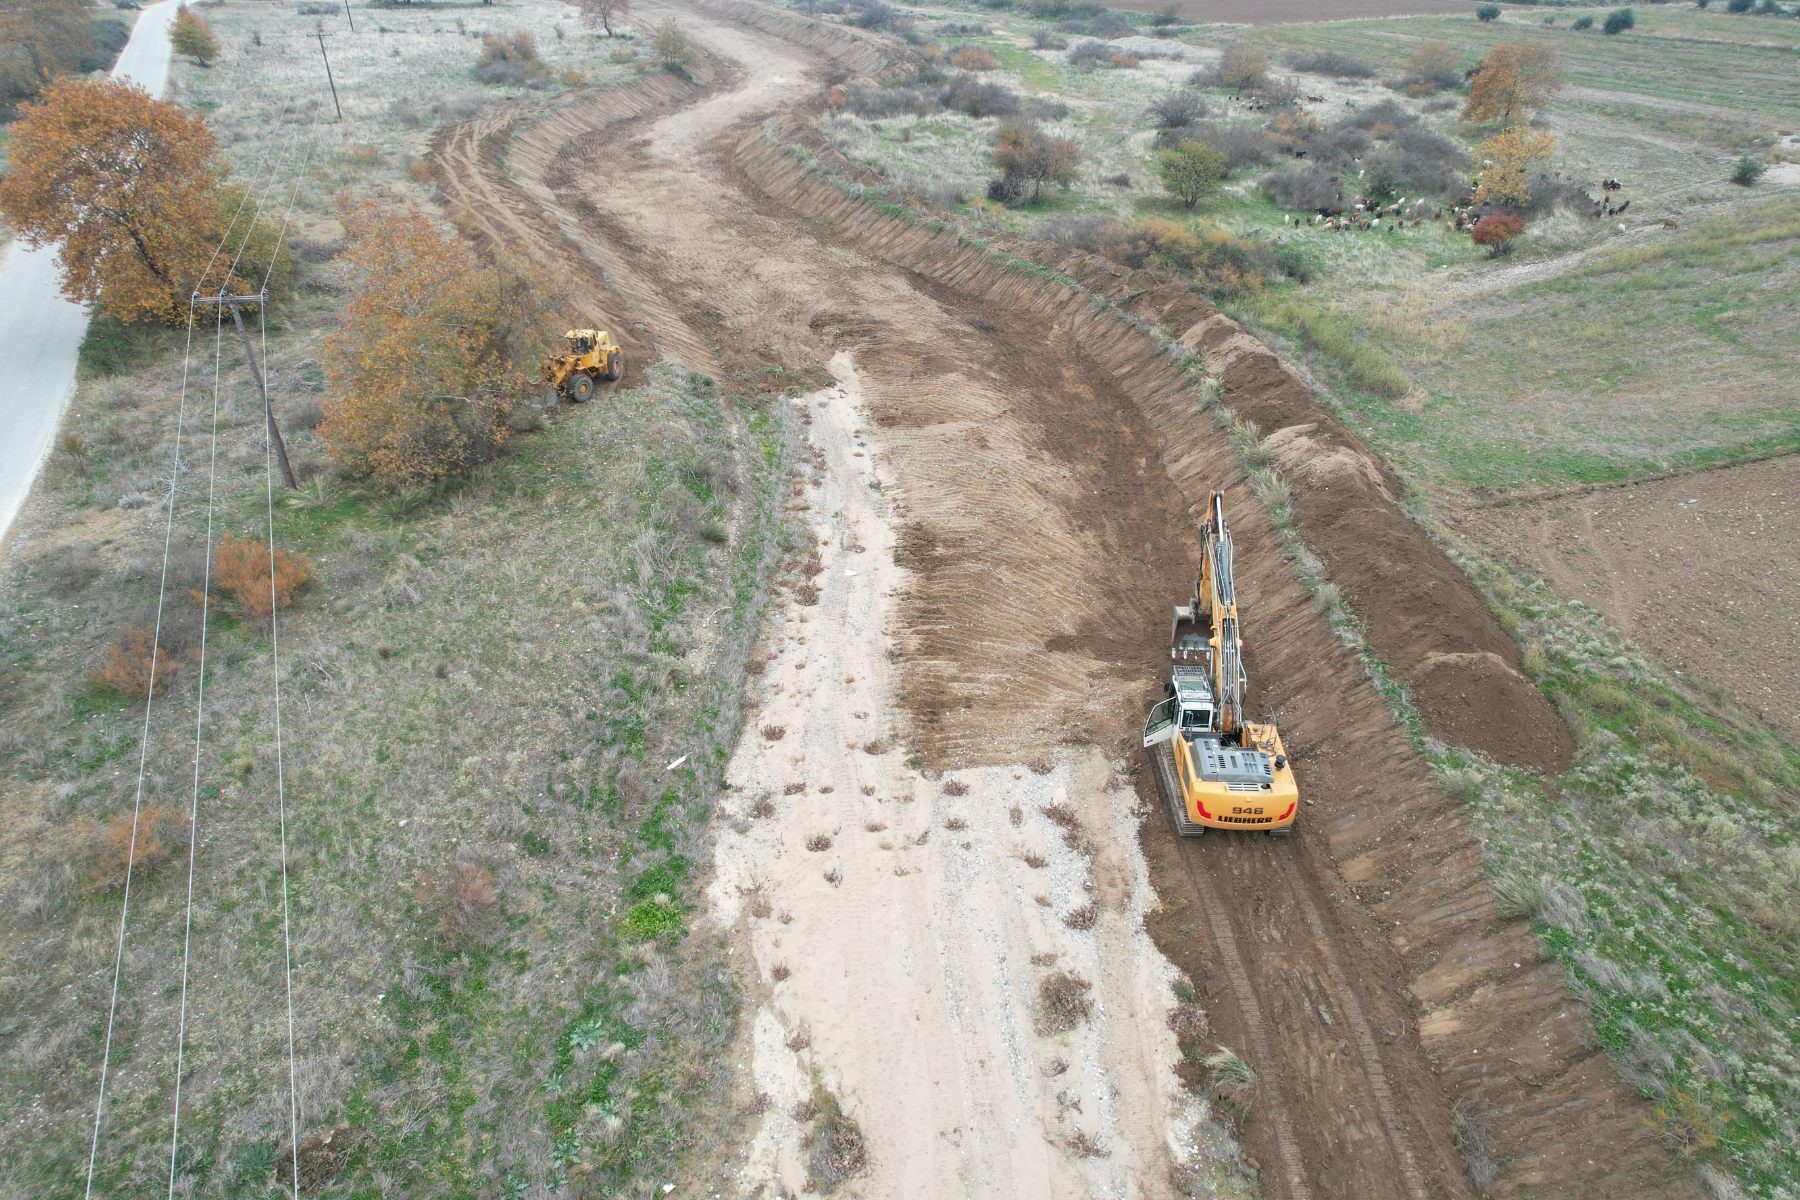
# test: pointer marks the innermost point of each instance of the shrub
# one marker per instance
(1747, 170)
(1191, 170)
(962, 29)
(1487, 12)
(162, 830)
(1583, 23)
(125, 666)
(973, 58)
(836, 1148)
(1242, 65)
(1433, 67)
(1309, 187)
(1618, 21)
(1063, 1003)
(675, 50)
(1333, 63)
(1243, 145)
(1338, 146)
(1090, 54)
(1497, 231)
(1105, 25)
(1031, 157)
(1222, 260)
(1293, 260)
(873, 14)
(1178, 110)
(1047, 39)
(241, 571)
(1738, 6)
(508, 58)
(867, 101)
(978, 98)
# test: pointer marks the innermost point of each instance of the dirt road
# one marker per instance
(40, 332)
(1042, 471)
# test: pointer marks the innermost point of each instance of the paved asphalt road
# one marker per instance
(40, 332)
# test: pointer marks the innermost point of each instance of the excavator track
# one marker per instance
(1163, 757)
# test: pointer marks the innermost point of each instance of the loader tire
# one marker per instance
(615, 368)
(581, 387)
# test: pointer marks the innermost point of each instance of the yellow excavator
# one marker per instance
(593, 356)
(1216, 770)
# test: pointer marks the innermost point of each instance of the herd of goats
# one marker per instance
(1460, 217)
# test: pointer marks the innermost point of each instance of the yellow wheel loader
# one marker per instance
(1216, 770)
(593, 356)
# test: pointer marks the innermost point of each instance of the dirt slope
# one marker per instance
(1047, 503)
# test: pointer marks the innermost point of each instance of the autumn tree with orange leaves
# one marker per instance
(1509, 160)
(129, 186)
(430, 350)
(1512, 83)
(190, 34)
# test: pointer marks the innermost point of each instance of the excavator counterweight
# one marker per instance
(1216, 769)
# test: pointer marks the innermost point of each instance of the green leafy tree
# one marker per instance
(1487, 12)
(1619, 20)
(1191, 170)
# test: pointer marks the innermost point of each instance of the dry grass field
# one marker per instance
(505, 707)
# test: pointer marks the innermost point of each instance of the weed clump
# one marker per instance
(128, 665)
(836, 1148)
(510, 60)
(1063, 1003)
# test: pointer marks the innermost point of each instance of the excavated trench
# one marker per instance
(1053, 459)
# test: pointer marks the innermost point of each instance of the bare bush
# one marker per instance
(510, 60)
(975, 97)
(836, 1148)
(462, 902)
(1063, 1003)
(1082, 918)
(127, 666)
(1334, 63)
(142, 844)
(877, 102)
(1178, 109)
(242, 570)
(1308, 187)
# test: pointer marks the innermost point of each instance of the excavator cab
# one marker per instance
(581, 341)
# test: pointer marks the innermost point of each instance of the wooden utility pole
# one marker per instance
(328, 78)
(262, 387)
(348, 17)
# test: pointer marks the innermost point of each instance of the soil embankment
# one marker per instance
(1045, 463)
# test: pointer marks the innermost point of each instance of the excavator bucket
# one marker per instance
(1188, 636)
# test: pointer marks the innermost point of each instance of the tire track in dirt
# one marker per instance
(1051, 464)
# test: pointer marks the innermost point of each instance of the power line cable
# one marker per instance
(137, 801)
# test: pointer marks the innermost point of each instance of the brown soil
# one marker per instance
(1048, 467)
(1697, 568)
